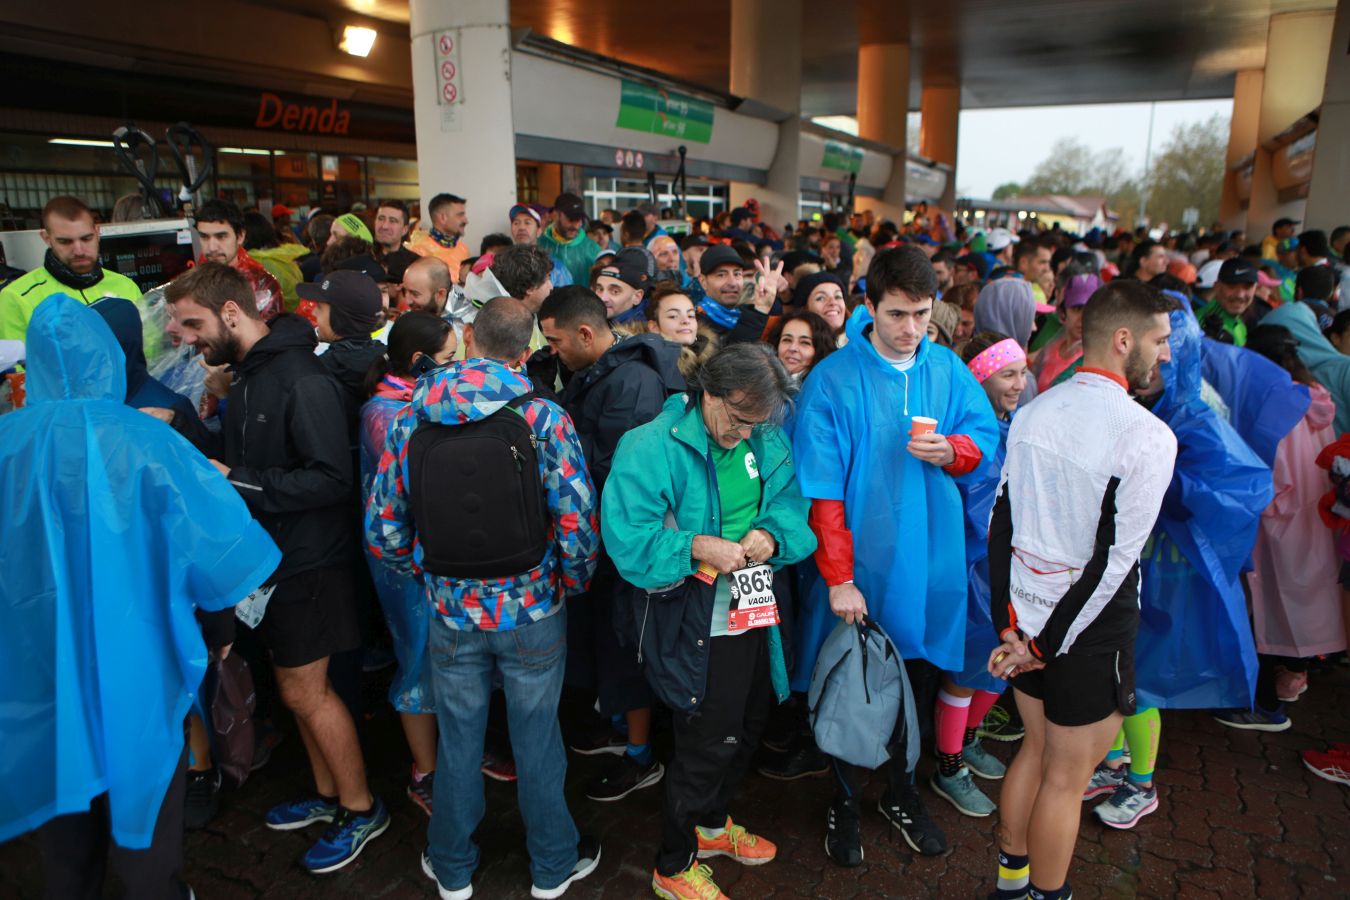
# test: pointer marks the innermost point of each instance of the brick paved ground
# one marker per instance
(1240, 817)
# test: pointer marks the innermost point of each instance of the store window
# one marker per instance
(705, 199)
(35, 168)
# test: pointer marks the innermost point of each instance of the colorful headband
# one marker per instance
(1003, 354)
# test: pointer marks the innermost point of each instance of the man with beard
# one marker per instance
(1065, 587)
(70, 267)
(427, 286)
(722, 276)
(284, 446)
(445, 239)
(566, 242)
(220, 227)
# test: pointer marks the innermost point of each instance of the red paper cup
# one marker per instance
(921, 425)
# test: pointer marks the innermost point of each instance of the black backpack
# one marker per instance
(476, 496)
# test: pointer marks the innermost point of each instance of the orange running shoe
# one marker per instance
(694, 883)
(737, 843)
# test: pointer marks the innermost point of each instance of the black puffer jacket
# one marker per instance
(285, 440)
(625, 388)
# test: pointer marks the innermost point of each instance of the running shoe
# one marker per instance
(203, 798)
(1289, 686)
(623, 777)
(694, 883)
(498, 768)
(908, 813)
(801, 761)
(960, 791)
(737, 843)
(843, 834)
(1124, 808)
(346, 837)
(300, 812)
(1255, 719)
(588, 857)
(983, 763)
(1333, 766)
(444, 892)
(597, 740)
(420, 792)
(1104, 780)
(999, 725)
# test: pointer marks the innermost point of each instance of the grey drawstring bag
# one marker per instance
(860, 705)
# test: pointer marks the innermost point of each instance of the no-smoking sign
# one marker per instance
(448, 75)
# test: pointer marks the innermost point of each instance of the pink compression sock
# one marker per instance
(979, 708)
(949, 722)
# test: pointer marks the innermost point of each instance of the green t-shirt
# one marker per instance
(738, 491)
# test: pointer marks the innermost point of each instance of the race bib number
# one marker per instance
(250, 610)
(753, 604)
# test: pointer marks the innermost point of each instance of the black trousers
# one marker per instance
(714, 745)
(924, 680)
(77, 848)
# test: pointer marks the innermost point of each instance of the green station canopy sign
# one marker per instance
(658, 111)
(844, 157)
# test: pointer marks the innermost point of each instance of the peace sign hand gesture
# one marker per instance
(766, 284)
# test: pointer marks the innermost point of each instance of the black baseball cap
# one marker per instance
(719, 255)
(1237, 271)
(634, 266)
(344, 289)
(694, 240)
(975, 261)
(1281, 223)
(571, 206)
(366, 265)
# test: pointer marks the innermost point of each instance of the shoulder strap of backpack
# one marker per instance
(519, 403)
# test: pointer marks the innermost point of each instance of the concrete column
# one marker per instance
(939, 125)
(883, 105)
(1297, 48)
(1241, 142)
(766, 65)
(467, 146)
(1330, 187)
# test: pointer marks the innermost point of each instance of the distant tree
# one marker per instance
(1073, 169)
(1188, 172)
(1006, 190)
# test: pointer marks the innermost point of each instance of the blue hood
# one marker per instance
(72, 354)
(1182, 375)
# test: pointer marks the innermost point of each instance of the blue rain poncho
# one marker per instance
(909, 554)
(116, 530)
(979, 492)
(1264, 403)
(1195, 647)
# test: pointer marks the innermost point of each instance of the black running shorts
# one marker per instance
(1082, 689)
(311, 615)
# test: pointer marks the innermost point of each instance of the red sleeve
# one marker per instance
(834, 550)
(968, 455)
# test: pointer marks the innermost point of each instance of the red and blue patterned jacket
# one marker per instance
(466, 392)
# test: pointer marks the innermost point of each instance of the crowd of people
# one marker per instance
(669, 474)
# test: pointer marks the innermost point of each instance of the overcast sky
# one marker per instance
(999, 145)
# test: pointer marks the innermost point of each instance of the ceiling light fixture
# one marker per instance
(356, 40)
(80, 142)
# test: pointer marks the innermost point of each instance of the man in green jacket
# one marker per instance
(700, 506)
(565, 240)
(1225, 317)
(70, 267)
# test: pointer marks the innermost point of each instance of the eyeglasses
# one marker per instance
(753, 429)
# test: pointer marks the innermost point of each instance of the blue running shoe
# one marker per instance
(300, 812)
(346, 838)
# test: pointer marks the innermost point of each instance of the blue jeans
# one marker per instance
(531, 660)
